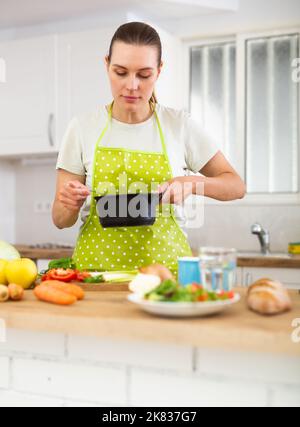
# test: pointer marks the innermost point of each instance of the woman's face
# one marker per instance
(133, 71)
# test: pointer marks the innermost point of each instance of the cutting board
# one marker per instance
(101, 287)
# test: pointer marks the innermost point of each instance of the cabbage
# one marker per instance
(8, 252)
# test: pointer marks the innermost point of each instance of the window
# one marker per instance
(272, 115)
(243, 93)
(213, 92)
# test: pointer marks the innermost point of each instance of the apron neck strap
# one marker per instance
(153, 108)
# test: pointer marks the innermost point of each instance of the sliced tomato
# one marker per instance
(81, 275)
(62, 275)
(45, 277)
(230, 295)
(195, 287)
(223, 295)
(203, 297)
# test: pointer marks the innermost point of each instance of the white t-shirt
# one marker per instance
(189, 147)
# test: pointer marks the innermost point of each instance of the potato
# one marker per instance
(4, 294)
(16, 292)
(158, 270)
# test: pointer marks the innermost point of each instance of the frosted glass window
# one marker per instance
(213, 93)
(272, 115)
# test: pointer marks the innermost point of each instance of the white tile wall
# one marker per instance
(268, 368)
(7, 202)
(54, 370)
(286, 397)
(224, 225)
(158, 389)
(14, 399)
(52, 345)
(134, 353)
(229, 226)
(4, 372)
(69, 380)
(41, 180)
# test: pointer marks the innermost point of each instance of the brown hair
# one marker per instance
(140, 34)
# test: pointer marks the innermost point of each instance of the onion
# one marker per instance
(8, 252)
(4, 294)
(144, 283)
(158, 270)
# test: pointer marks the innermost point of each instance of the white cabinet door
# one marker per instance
(169, 88)
(27, 99)
(290, 277)
(83, 85)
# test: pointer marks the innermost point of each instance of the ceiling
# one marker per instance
(16, 13)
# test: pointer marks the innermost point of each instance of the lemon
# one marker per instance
(22, 272)
(3, 280)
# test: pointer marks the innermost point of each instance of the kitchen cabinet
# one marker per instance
(28, 98)
(50, 79)
(290, 277)
(170, 88)
(82, 84)
(118, 354)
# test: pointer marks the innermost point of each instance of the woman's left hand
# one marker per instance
(177, 189)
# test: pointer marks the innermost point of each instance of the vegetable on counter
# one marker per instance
(144, 283)
(12, 291)
(69, 288)
(60, 274)
(158, 270)
(52, 295)
(64, 263)
(157, 283)
(4, 294)
(93, 279)
(16, 292)
(170, 291)
(64, 270)
(22, 271)
(70, 275)
(8, 252)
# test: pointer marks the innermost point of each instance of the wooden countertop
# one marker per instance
(243, 261)
(109, 314)
(269, 262)
(38, 253)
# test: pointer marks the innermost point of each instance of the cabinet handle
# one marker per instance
(50, 129)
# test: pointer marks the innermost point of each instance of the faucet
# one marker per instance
(263, 237)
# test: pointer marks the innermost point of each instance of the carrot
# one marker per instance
(54, 296)
(69, 288)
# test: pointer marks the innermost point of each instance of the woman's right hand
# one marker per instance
(73, 194)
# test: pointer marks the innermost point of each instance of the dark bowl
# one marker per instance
(127, 210)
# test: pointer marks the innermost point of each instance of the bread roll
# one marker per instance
(268, 296)
(269, 283)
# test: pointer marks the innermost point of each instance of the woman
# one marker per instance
(137, 138)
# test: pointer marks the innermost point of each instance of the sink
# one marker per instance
(245, 254)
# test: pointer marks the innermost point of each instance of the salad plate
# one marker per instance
(182, 309)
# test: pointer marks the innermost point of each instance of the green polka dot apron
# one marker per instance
(125, 249)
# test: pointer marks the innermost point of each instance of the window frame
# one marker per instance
(241, 102)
